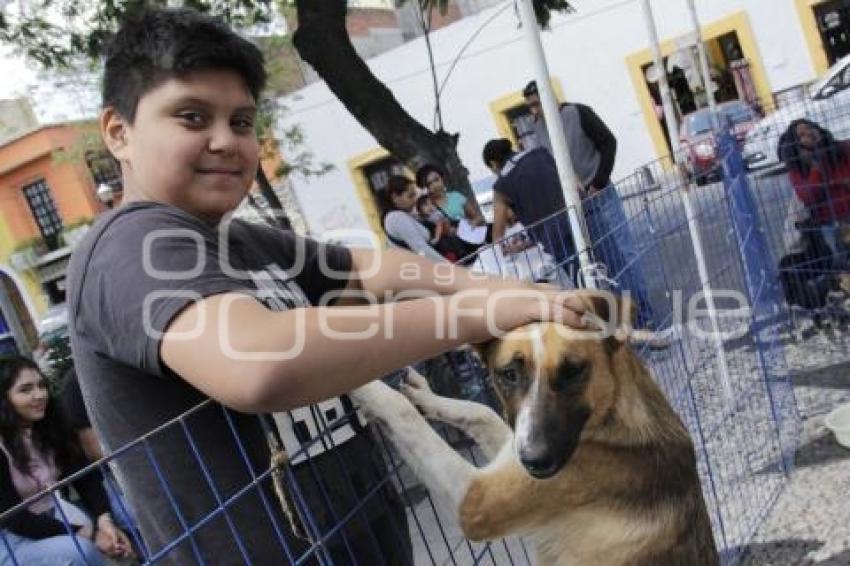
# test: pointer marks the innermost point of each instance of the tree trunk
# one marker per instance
(322, 41)
(266, 189)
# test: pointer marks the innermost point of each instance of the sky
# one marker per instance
(14, 74)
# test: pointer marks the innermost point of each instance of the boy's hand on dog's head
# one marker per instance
(557, 305)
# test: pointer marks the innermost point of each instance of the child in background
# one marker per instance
(444, 236)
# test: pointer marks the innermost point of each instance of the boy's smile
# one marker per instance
(192, 144)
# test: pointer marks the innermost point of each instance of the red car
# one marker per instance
(697, 139)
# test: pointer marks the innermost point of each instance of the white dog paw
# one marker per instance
(415, 387)
(417, 381)
(378, 401)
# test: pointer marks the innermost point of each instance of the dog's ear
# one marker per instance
(613, 312)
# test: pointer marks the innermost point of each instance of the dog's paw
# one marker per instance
(415, 387)
(417, 381)
(380, 402)
(374, 399)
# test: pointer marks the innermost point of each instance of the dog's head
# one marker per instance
(555, 382)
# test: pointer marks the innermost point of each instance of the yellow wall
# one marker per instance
(7, 242)
(810, 31)
(501, 106)
(356, 166)
(740, 24)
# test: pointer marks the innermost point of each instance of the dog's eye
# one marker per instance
(509, 376)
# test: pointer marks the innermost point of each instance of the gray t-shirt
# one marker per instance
(139, 267)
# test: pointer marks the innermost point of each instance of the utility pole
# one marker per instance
(555, 128)
(693, 221)
(703, 64)
(663, 85)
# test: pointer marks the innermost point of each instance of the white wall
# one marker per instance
(585, 50)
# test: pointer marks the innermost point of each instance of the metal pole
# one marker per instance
(703, 64)
(560, 151)
(663, 86)
(693, 223)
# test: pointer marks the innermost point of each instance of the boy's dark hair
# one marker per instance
(530, 89)
(423, 172)
(498, 150)
(158, 44)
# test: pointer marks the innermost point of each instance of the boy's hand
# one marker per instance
(560, 306)
(510, 308)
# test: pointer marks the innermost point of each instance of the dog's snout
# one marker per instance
(539, 462)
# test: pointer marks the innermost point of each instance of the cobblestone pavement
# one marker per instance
(810, 523)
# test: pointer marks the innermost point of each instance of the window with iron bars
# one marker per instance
(378, 173)
(104, 169)
(44, 211)
(522, 124)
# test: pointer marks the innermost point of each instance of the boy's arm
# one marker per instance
(379, 275)
(234, 350)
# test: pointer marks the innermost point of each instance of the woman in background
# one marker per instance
(819, 171)
(38, 453)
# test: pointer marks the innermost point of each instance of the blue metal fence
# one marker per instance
(745, 431)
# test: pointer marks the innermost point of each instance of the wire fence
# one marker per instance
(344, 497)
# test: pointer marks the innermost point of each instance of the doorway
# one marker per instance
(833, 21)
(731, 79)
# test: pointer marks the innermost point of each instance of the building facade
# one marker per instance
(760, 50)
(47, 196)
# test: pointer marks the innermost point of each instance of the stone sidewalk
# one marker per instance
(810, 523)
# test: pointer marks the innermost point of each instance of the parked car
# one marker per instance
(697, 139)
(827, 103)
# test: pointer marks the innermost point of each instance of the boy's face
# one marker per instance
(192, 144)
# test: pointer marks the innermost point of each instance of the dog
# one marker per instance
(589, 461)
(811, 281)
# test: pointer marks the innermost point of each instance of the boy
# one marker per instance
(172, 304)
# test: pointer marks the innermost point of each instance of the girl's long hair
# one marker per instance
(396, 185)
(49, 435)
(829, 151)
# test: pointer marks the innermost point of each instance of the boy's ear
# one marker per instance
(113, 130)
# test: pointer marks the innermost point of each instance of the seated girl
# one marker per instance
(38, 453)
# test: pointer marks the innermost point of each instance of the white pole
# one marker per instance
(693, 223)
(703, 64)
(663, 86)
(560, 151)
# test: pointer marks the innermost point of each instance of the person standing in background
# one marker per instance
(593, 149)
